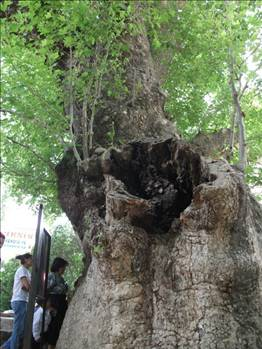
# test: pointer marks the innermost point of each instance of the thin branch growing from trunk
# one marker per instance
(71, 108)
(240, 118)
(98, 83)
(84, 127)
(251, 53)
(241, 92)
(93, 111)
(232, 134)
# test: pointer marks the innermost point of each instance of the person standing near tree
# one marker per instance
(21, 288)
(57, 290)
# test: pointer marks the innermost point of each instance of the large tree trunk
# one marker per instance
(173, 241)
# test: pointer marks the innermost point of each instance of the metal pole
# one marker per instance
(34, 285)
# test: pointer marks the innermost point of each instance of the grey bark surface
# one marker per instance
(196, 285)
(214, 145)
(173, 241)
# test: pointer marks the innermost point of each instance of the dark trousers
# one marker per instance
(37, 345)
(34, 344)
(57, 321)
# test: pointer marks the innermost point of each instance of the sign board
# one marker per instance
(39, 276)
(16, 242)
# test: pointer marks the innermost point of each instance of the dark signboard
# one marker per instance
(39, 276)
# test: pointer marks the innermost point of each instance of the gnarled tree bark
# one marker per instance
(173, 241)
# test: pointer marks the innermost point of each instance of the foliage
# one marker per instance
(57, 52)
(35, 110)
(194, 42)
(6, 278)
(31, 122)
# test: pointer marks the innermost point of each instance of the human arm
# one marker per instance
(51, 281)
(23, 275)
(25, 283)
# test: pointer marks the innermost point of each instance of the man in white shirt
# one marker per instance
(21, 285)
(21, 288)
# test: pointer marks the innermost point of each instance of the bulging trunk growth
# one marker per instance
(173, 241)
(176, 254)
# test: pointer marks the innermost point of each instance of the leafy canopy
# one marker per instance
(190, 43)
(36, 40)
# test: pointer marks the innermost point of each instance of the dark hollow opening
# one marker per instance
(164, 173)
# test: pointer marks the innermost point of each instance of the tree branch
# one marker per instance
(241, 93)
(5, 111)
(24, 174)
(36, 94)
(232, 134)
(84, 126)
(249, 55)
(239, 113)
(71, 108)
(36, 121)
(98, 83)
(26, 146)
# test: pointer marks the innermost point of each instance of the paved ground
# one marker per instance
(6, 324)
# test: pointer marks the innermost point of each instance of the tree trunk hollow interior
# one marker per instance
(163, 174)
